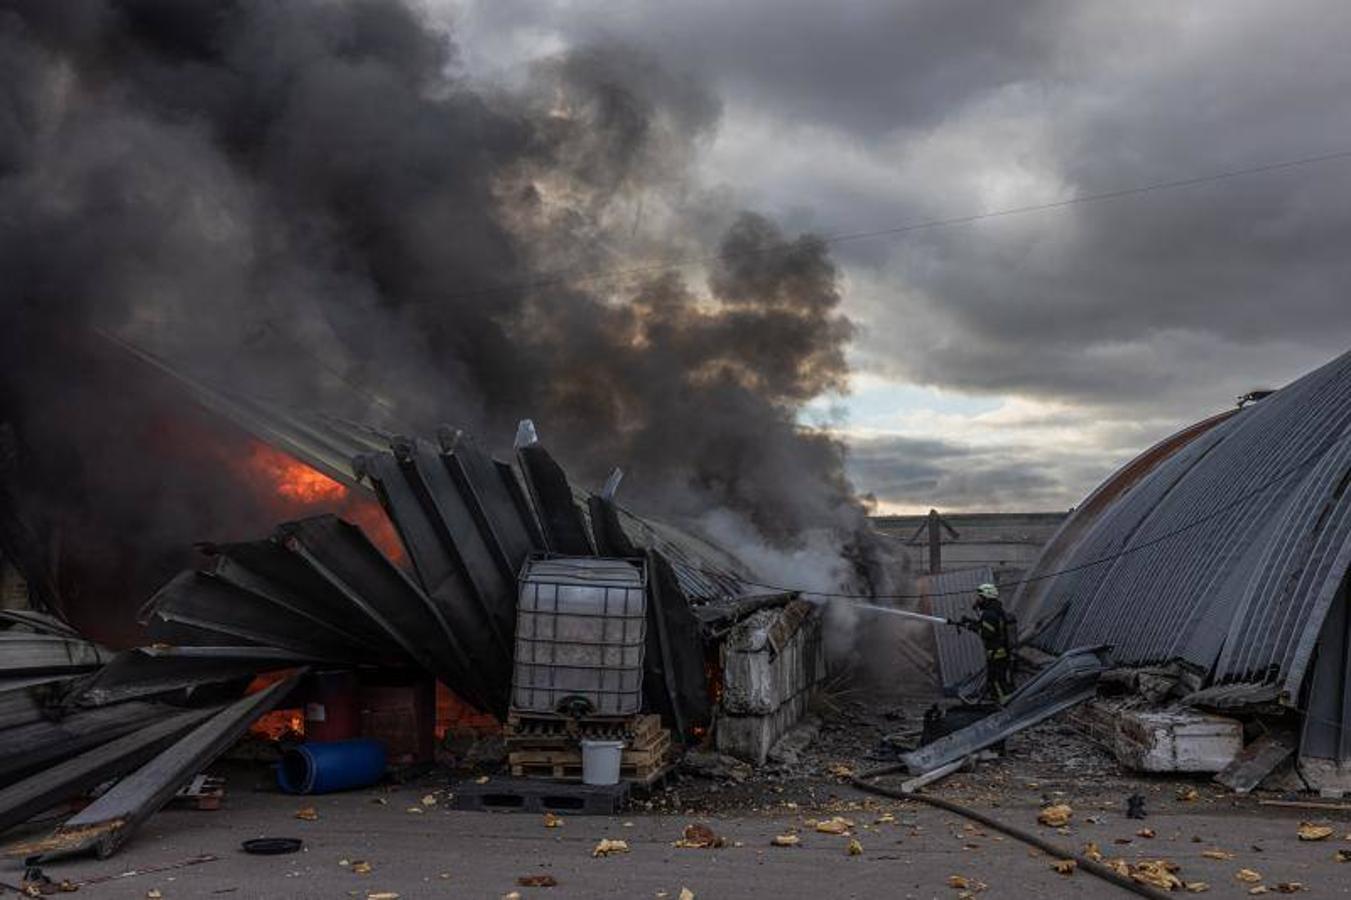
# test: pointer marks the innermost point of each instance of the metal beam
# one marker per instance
(109, 821)
(21, 801)
(1071, 679)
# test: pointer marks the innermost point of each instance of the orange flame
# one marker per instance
(295, 489)
(293, 479)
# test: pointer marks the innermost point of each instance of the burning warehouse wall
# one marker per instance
(311, 204)
(476, 538)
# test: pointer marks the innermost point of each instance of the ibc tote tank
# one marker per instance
(580, 625)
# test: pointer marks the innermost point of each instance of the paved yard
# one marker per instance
(442, 853)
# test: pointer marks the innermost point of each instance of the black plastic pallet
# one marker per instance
(536, 795)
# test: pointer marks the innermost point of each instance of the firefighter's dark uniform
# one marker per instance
(993, 628)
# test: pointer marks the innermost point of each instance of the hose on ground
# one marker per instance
(1092, 866)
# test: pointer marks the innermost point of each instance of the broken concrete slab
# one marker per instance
(771, 661)
(1176, 741)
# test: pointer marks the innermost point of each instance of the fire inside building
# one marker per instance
(1191, 613)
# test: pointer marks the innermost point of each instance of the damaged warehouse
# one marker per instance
(517, 450)
(574, 622)
(491, 590)
(1223, 553)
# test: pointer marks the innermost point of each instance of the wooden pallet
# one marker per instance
(638, 775)
(554, 755)
(529, 730)
(203, 792)
(649, 756)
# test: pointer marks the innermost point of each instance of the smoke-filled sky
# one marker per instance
(321, 203)
(387, 209)
(1010, 364)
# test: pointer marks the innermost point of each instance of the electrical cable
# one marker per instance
(563, 277)
(1275, 479)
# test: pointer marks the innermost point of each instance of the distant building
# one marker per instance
(1007, 543)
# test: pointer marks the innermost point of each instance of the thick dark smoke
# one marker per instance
(304, 201)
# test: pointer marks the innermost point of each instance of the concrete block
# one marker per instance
(1177, 741)
(766, 685)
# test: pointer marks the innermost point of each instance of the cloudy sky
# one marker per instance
(1011, 363)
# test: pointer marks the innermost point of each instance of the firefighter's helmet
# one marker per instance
(987, 592)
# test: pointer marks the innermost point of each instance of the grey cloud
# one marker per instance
(922, 472)
(865, 67)
(879, 114)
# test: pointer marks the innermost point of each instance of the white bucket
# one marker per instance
(600, 761)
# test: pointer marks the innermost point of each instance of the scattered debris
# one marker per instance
(786, 840)
(1135, 807)
(1250, 876)
(537, 881)
(362, 868)
(1064, 866)
(686, 894)
(855, 848)
(607, 847)
(1187, 794)
(1217, 854)
(834, 825)
(307, 814)
(1145, 833)
(552, 821)
(1159, 873)
(1055, 816)
(700, 836)
(1311, 832)
(1256, 761)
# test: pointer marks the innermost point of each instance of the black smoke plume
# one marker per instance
(308, 201)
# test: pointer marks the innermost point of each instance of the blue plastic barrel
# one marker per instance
(321, 767)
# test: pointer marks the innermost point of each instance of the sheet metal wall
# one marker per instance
(961, 655)
(1242, 595)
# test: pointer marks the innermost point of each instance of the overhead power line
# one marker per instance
(1112, 557)
(564, 277)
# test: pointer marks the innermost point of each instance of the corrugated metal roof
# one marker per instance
(1222, 547)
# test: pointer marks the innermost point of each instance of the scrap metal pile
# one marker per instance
(319, 593)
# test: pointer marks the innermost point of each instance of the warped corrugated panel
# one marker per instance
(961, 656)
(705, 572)
(1235, 541)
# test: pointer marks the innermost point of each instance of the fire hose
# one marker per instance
(1092, 866)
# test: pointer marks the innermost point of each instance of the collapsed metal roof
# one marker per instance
(1223, 547)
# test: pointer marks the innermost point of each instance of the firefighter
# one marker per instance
(993, 626)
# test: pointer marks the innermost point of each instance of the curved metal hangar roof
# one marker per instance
(1225, 547)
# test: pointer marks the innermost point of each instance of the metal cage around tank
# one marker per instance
(580, 631)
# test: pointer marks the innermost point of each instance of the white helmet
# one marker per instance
(988, 592)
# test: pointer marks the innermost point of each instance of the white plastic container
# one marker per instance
(600, 761)
(580, 627)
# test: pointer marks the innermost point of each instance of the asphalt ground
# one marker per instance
(907, 849)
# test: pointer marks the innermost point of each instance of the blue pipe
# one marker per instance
(321, 767)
